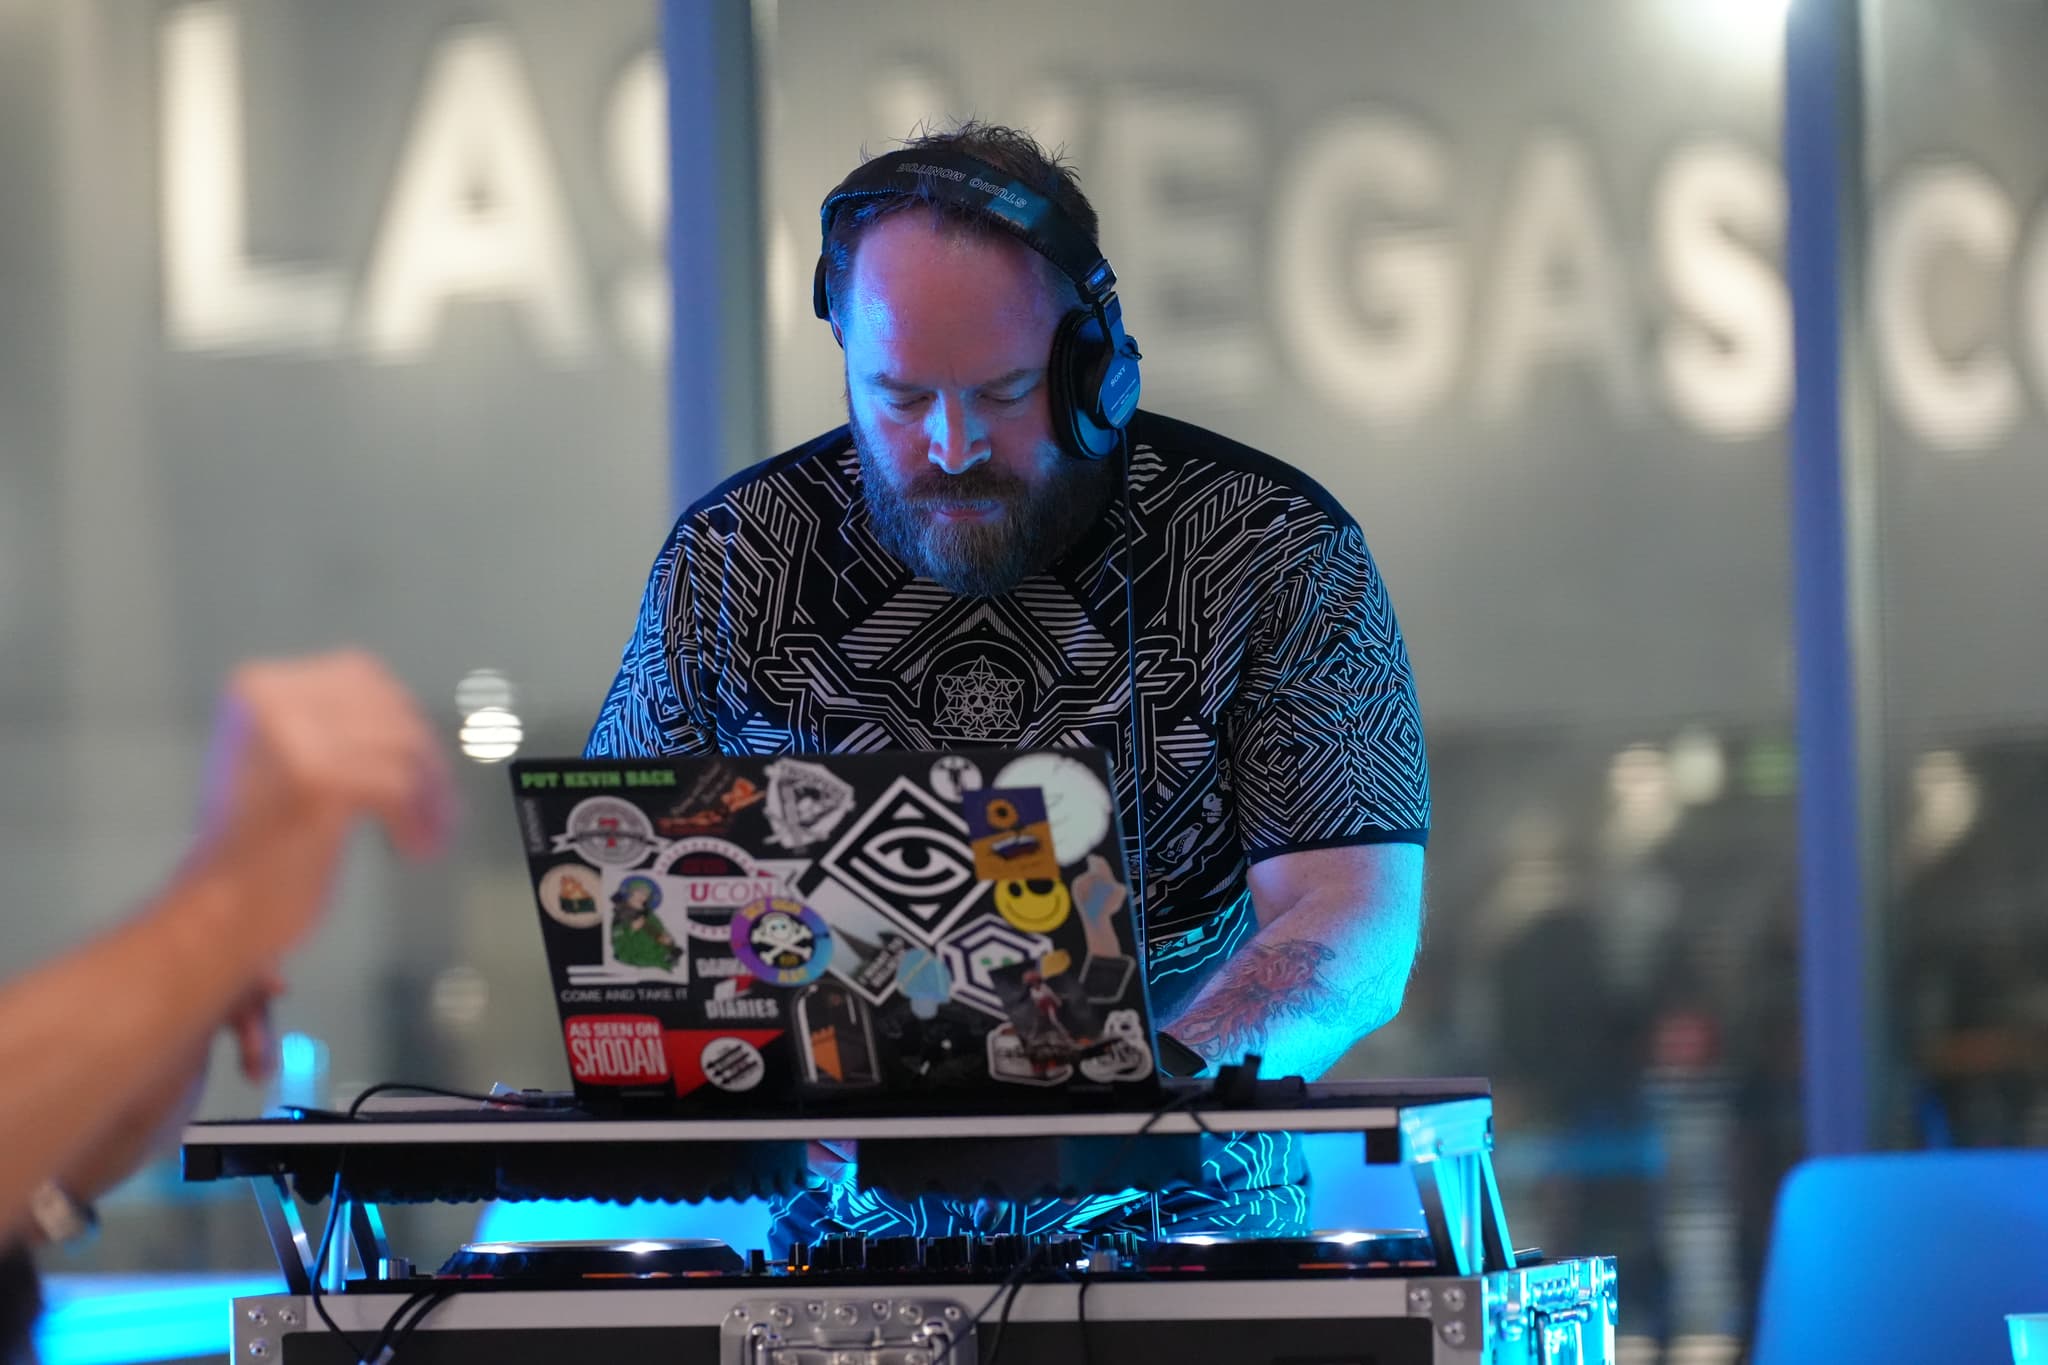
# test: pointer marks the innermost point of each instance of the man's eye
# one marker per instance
(1008, 400)
(904, 405)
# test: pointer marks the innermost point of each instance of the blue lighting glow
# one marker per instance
(116, 1319)
(299, 1055)
(742, 1225)
(301, 1070)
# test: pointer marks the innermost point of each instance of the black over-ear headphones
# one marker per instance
(1093, 372)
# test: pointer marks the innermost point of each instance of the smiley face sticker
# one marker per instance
(1036, 905)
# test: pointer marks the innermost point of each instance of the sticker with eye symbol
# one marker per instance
(916, 862)
(908, 857)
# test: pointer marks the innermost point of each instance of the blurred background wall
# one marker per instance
(1958, 345)
(323, 324)
(334, 323)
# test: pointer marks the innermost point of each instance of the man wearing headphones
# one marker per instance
(999, 550)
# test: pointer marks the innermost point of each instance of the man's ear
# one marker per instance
(838, 335)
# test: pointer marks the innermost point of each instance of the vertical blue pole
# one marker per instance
(713, 242)
(689, 53)
(1823, 177)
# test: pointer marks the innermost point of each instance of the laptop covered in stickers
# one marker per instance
(877, 932)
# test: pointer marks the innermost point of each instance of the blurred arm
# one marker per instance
(83, 1038)
(101, 1047)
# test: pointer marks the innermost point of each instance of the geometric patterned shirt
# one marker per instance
(1277, 702)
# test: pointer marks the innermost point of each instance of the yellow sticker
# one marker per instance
(1037, 906)
(1010, 835)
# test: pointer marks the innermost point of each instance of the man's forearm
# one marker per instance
(1303, 989)
(86, 1035)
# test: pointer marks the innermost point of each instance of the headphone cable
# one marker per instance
(1144, 943)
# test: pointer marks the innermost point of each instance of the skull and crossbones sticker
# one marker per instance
(782, 941)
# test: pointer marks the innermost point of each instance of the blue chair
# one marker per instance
(1909, 1258)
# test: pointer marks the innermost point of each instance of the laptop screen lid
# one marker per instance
(900, 932)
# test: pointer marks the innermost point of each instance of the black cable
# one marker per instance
(1195, 1116)
(1014, 1279)
(396, 1328)
(384, 1341)
(396, 1318)
(1140, 909)
(514, 1098)
(1151, 1121)
(1081, 1320)
(1184, 1101)
(320, 1269)
(995, 1342)
(1180, 1102)
(428, 1300)
(1013, 1283)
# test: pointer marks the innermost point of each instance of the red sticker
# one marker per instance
(616, 1049)
(686, 1052)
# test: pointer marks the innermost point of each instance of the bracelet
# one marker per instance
(58, 1217)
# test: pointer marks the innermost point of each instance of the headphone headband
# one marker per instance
(968, 182)
(1093, 369)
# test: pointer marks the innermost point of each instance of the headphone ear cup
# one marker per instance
(820, 304)
(1080, 358)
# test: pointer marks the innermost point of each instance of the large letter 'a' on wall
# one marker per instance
(476, 211)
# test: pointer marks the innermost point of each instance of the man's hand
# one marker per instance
(249, 1025)
(302, 750)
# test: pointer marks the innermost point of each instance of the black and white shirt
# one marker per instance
(1278, 706)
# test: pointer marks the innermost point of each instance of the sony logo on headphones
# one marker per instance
(1008, 196)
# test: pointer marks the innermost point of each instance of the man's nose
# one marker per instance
(957, 442)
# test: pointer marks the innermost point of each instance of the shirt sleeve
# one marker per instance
(653, 708)
(20, 1303)
(1327, 744)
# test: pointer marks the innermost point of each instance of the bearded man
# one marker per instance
(996, 550)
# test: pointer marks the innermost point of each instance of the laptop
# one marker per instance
(891, 932)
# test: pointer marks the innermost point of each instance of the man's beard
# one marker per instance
(981, 558)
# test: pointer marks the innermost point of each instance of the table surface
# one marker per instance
(1331, 1106)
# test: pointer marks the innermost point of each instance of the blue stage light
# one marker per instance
(118, 1319)
(742, 1225)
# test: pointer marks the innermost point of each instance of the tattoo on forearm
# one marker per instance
(1264, 984)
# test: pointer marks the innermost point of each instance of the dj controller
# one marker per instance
(936, 1260)
(1450, 1291)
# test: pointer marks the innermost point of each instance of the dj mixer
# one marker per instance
(1452, 1290)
